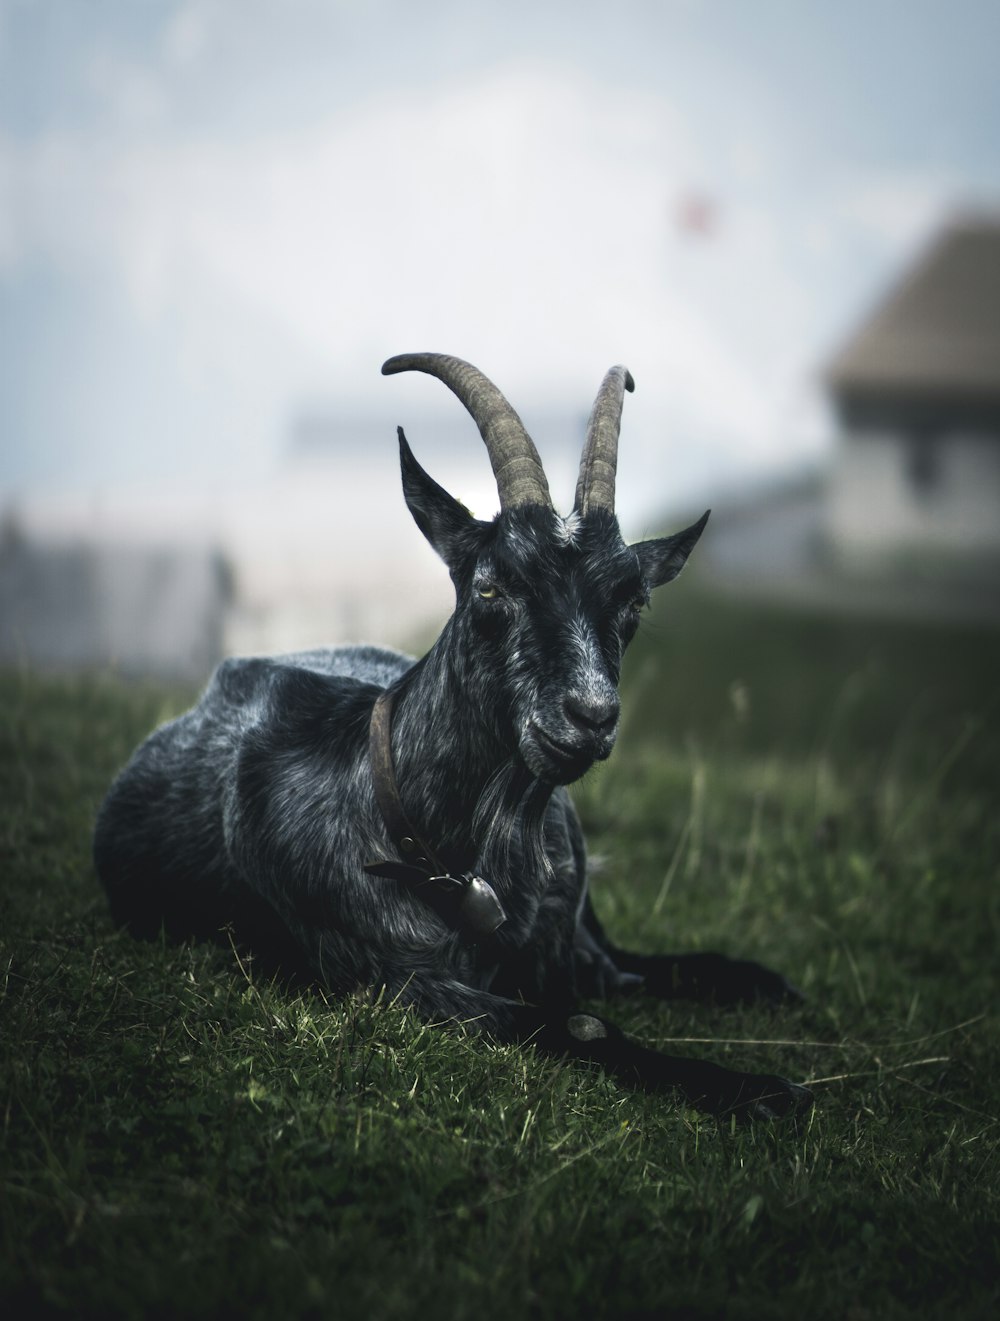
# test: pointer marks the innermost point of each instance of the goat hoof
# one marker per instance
(776, 1098)
(787, 1099)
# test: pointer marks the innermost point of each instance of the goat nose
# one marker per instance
(592, 715)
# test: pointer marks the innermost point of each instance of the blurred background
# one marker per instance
(218, 217)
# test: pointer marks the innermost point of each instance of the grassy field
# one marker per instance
(181, 1138)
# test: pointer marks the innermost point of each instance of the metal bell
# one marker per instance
(480, 910)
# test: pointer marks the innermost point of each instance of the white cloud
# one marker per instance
(899, 209)
(187, 33)
(131, 93)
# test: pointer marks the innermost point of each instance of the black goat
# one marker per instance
(403, 823)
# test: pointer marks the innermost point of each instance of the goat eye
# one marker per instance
(489, 591)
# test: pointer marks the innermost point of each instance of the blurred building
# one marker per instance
(154, 609)
(916, 389)
(907, 519)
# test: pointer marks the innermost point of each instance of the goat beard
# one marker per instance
(509, 821)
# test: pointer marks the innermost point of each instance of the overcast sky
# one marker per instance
(216, 213)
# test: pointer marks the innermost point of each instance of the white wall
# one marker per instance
(875, 508)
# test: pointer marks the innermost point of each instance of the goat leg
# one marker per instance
(707, 977)
(704, 1085)
(561, 1030)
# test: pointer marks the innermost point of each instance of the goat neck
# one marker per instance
(459, 776)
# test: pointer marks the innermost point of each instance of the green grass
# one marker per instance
(180, 1138)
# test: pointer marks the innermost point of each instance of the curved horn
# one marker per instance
(516, 465)
(595, 487)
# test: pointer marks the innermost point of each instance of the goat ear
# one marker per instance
(444, 521)
(663, 559)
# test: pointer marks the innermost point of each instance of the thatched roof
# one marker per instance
(937, 333)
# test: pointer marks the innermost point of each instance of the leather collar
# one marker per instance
(467, 903)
